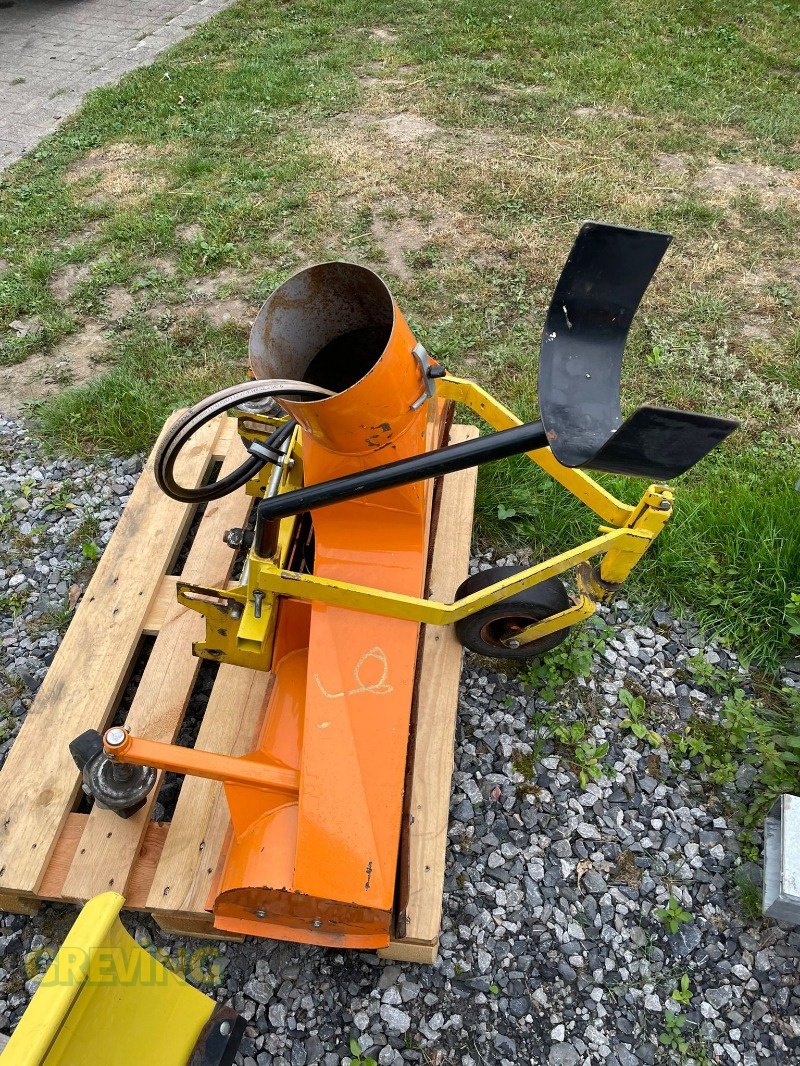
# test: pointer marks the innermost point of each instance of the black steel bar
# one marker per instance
(418, 468)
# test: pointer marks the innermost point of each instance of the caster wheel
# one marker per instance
(484, 631)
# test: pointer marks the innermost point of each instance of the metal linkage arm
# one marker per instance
(487, 449)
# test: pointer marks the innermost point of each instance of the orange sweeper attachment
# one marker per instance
(345, 423)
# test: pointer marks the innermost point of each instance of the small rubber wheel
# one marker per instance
(484, 631)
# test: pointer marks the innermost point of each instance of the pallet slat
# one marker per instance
(437, 707)
(39, 780)
(201, 820)
(69, 843)
(109, 844)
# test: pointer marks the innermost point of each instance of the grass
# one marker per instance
(456, 147)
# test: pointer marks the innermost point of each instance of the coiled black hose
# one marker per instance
(212, 406)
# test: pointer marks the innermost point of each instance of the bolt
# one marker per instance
(665, 505)
(317, 923)
(258, 599)
(115, 736)
(261, 914)
(512, 644)
(225, 1028)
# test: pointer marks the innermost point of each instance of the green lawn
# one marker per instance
(457, 147)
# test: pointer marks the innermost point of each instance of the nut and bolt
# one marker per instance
(261, 914)
(258, 599)
(238, 537)
(317, 923)
(234, 537)
(512, 644)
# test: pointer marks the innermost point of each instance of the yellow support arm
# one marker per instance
(583, 487)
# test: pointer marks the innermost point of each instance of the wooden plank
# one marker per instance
(162, 601)
(39, 780)
(200, 928)
(109, 844)
(411, 951)
(18, 904)
(201, 820)
(437, 708)
(138, 887)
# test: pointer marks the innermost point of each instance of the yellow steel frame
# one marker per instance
(622, 542)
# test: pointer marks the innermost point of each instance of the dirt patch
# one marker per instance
(189, 232)
(383, 34)
(119, 302)
(163, 266)
(505, 89)
(596, 111)
(408, 128)
(400, 238)
(117, 171)
(72, 362)
(82, 236)
(67, 278)
(218, 311)
(211, 285)
(672, 164)
(757, 328)
(771, 183)
(22, 327)
(232, 310)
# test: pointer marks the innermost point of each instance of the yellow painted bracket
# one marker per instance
(582, 486)
(105, 1000)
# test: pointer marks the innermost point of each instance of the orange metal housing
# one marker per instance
(320, 867)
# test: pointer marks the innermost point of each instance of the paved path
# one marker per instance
(52, 52)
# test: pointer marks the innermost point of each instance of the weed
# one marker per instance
(673, 916)
(12, 603)
(90, 551)
(707, 675)
(636, 708)
(683, 993)
(57, 618)
(793, 614)
(573, 659)
(747, 733)
(672, 1037)
(749, 895)
(357, 1058)
(62, 500)
(584, 755)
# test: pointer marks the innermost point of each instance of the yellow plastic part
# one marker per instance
(104, 1000)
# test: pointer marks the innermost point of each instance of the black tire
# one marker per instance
(483, 632)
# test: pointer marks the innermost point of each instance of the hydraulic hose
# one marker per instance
(203, 412)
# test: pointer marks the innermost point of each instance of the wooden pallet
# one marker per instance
(48, 851)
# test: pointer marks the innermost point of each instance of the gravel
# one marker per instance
(551, 951)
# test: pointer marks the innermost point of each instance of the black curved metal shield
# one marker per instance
(601, 285)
